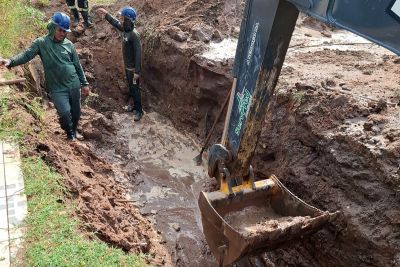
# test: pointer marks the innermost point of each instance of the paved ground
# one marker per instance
(13, 207)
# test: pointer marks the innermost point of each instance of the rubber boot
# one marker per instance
(79, 136)
(76, 17)
(86, 19)
(137, 116)
(71, 136)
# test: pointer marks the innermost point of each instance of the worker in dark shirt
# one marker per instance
(131, 49)
(64, 75)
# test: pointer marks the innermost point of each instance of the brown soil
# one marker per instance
(332, 137)
(253, 220)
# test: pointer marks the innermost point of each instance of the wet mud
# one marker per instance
(166, 182)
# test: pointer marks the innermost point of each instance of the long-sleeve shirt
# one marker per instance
(131, 47)
(62, 68)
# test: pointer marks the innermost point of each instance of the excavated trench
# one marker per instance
(316, 145)
(329, 170)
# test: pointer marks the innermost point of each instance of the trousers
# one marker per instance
(68, 106)
(134, 90)
(83, 5)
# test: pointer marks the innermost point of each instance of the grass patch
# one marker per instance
(35, 108)
(8, 122)
(18, 21)
(52, 238)
(9, 75)
(299, 96)
(12, 125)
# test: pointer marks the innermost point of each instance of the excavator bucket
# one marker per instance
(244, 216)
(256, 220)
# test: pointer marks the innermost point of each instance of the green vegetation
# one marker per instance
(52, 238)
(8, 122)
(9, 75)
(35, 108)
(299, 96)
(12, 125)
(91, 99)
(18, 21)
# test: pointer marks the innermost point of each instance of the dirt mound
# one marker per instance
(320, 156)
(103, 202)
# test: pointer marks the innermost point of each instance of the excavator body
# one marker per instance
(249, 214)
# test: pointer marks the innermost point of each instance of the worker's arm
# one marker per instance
(27, 55)
(79, 71)
(113, 21)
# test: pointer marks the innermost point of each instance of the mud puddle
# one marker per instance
(166, 183)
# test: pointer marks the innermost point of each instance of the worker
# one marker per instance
(65, 79)
(83, 6)
(131, 49)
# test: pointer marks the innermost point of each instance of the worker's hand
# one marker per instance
(5, 62)
(136, 76)
(85, 90)
(101, 11)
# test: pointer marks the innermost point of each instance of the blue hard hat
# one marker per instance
(128, 12)
(62, 21)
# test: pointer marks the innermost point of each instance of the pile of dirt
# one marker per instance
(102, 202)
(254, 220)
(313, 148)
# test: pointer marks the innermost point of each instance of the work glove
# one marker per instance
(5, 62)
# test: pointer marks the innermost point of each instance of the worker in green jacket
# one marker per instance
(63, 73)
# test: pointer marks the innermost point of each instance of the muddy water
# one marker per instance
(168, 184)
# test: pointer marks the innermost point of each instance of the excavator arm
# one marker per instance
(264, 38)
(265, 33)
(245, 215)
